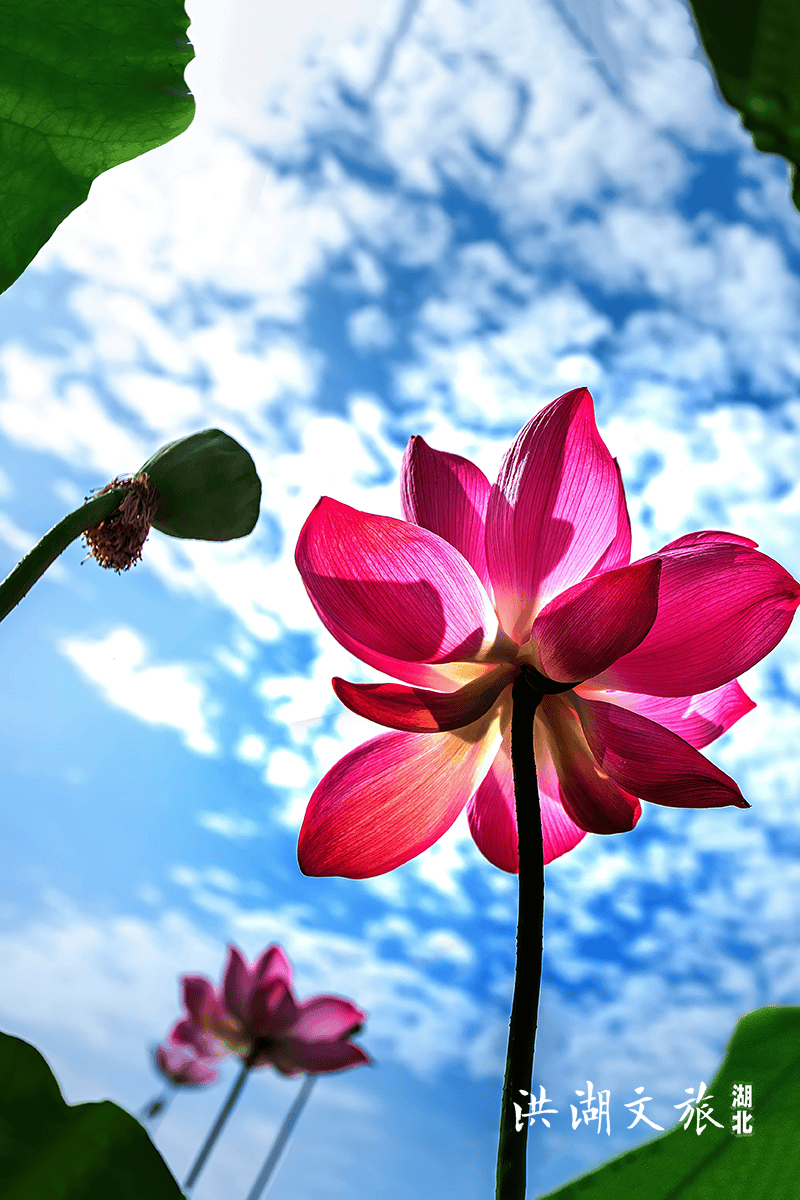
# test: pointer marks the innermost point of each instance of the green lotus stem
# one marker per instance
(46, 551)
(216, 1128)
(289, 1122)
(513, 1144)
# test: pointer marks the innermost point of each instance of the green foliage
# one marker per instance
(50, 1150)
(754, 48)
(208, 487)
(85, 85)
(682, 1165)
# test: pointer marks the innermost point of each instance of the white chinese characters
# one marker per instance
(741, 1103)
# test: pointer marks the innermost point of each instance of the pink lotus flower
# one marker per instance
(637, 660)
(182, 1067)
(255, 1015)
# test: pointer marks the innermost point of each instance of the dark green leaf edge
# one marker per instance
(50, 1150)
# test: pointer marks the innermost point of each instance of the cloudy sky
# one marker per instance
(422, 217)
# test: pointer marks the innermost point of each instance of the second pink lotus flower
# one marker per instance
(255, 1015)
(481, 581)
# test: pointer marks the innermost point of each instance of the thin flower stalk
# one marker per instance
(290, 1120)
(19, 582)
(256, 1016)
(217, 1127)
(512, 1144)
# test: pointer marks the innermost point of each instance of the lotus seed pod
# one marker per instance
(207, 485)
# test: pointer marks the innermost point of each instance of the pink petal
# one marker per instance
(448, 495)
(618, 553)
(184, 1068)
(697, 719)
(553, 512)
(273, 1009)
(593, 623)
(591, 799)
(652, 762)
(492, 811)
(327, 1018)
(198, 1073)
(271, 965)
(296, 1057)
(187, 1033)
(416, 711)
(398, 589)
(393, 797)
(445, 677)
(208, 1017)
(237, 984)
(722, 607)
(200, 1000)
(706, 537)
(559, 832)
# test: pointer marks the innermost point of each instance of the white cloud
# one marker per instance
(229, 825)
(69, 421)
(159, 695)
(250, 748)
(21, 541)
(369, 328)
(287, 769)
(117, 976)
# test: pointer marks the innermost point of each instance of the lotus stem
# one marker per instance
(46, 551)
(513, 1143)
(286, 1128)
(216, 1128)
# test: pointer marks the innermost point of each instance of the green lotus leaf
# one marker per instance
(54, 1150)
(754, 49)
(85, 85)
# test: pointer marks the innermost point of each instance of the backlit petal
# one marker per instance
(492, 811)
(417, 711)
(183, 1068)
(297, 1057)
(237, 984)
(273, 1009)
(591, 799)
(447, 494)
(618, 553)
(559, 831)
(272, 964)
(186, 1033)
(706, 537)
(553, 512)
(201, 1001)
(396, 588)
(722, 607)
(697, 719)
(393, 797)
(325, 1018)
(653, 762)
(445, 677)
(593, 623)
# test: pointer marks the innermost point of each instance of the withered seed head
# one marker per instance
(117, 542)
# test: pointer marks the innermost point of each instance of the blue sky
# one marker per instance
(416, 218)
